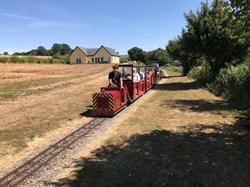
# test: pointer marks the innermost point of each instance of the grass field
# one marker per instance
(181, 136)
(39, 98)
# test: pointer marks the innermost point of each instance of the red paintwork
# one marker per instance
(117, 98)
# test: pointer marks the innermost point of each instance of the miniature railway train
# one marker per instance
(109, 101)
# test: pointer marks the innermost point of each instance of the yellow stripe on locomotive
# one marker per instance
(103, 101)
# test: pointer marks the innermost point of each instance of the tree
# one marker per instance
(65, 49)
(241, 9)
(5, 53)
(41, 51)
(212, 32)
(137, 54)
(159, 55)
(177, 51)
(56, 49)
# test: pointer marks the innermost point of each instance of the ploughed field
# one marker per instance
(39, 100)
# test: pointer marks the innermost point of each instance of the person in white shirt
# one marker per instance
(136, 76)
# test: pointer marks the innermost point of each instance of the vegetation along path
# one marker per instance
(182, 135)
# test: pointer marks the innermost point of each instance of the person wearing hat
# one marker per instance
(115, 78)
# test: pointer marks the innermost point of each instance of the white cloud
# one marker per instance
(18, 16)
(36, 23)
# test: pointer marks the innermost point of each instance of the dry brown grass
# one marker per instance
(182, 136)
(41, 100)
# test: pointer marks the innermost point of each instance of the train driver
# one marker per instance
(115, 78)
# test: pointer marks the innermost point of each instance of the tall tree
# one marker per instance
(159, 55)
(212, 32)
(41, 51)
(137, 54)
(177, 51)
(65, 49)
(56, 49)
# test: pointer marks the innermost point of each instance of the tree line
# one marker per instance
(56, 49)
(59, 53)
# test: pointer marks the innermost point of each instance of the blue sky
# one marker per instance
(119, 24)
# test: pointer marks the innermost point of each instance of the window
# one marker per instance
(102, 59)
(78, 61)
(93, 60)
(98, 60)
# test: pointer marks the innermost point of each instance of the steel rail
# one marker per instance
(27, 169)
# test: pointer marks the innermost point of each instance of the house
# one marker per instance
(82, 55)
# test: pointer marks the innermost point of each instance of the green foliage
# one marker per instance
(57, 49)
(159, 55)
(41, 51)
(232, 81)
(241, 9)
(173, 68)
(212, 32)
(215, 33)
(178, 51)
(5, 53)
(31, 59)
(202, 74)
(137, 54)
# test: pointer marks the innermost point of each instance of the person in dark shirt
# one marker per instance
(115, 78)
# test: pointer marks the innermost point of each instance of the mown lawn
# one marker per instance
(182, 136)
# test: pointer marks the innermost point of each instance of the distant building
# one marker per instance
(82, 55)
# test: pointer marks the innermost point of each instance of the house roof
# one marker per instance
(93, 51)
(89, 51)
(111, 51)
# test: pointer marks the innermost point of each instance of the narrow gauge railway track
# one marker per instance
(23, 172)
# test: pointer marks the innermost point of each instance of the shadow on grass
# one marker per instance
(163, 158)
(178, 86)
(88, 112)
(205, 105)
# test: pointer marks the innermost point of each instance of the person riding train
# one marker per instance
(136, 76)
(125, 74)
(115, 78)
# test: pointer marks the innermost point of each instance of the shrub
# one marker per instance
(174, 68)
(3, 59)
(233, 81)
(202, 74)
